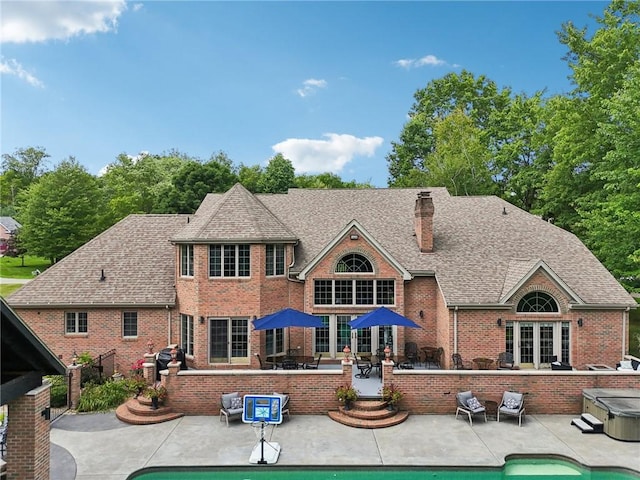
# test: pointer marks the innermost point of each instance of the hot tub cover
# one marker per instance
(621, 402)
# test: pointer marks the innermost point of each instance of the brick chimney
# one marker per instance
(423, 222)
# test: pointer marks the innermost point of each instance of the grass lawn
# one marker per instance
(12, 267)
(6, 290)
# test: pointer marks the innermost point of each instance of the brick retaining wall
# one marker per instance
(197, 392)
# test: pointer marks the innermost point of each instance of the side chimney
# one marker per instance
(423, 222)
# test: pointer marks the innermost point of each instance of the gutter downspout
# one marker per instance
(455, 329)
(168, 325)
(625, 322)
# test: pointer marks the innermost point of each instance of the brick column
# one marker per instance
(28, 441)
(149, 368)
(170, 381)
(75, 374)
(387, 372)
(347, 371)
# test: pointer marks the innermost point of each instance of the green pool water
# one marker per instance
(516, 469)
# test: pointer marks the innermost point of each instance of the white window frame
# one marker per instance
(186, 260)
(236, 268)
(186, 329)
(124, 321)
(275, 259)
(76, 323)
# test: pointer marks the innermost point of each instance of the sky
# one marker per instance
(328, 85)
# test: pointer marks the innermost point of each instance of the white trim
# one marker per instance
(541, 265)
(340, 236)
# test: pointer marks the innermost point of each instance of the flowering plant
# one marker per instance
(137, 367)
(156, 391)
(346, 393)
(391, 394)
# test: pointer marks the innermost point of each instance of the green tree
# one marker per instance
(278, 176)
(194, 180)
(19, 171)
(477, 98)
(327, 180)
(135, 185)
(61, 211)
(250, 177)
(460, 159)
(601, 66)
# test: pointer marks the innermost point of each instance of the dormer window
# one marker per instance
(354, 263)
(537, 302)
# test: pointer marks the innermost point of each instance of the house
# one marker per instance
(8, 228)
(478, 274)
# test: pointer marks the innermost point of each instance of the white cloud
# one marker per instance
(40, 21)
(427, 60)
(310, 86)
(12, 67)
(328, 155)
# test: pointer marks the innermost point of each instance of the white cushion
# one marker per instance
(625, 365)
(473, 403)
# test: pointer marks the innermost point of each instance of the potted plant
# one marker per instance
(392, 395)
(157, 393)
(137, 384)
(347, 395)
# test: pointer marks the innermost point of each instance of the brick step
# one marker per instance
(376, 404)
(350, 421)
(597, 425)
(368, 414)
(132, 412)
(582, 425)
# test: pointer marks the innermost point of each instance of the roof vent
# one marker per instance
(102, 277)
(504, 210)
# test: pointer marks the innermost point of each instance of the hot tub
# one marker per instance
(618, 409)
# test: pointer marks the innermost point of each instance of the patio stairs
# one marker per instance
(137, 411)
(587, 423)
(368, 414)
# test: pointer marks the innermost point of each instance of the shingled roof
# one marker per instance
(483, 246)
(236, 216)
(137, 260)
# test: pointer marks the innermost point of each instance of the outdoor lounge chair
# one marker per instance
(231, 407)
(469, 404)
(265, 365)
(459, 364)
(512, 404)
(411, 352)
(505, 361)
(313, 365)
(364, 367)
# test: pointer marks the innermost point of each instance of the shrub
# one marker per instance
(59, 390)
(100, 398)
(391, 394)
(346, 393)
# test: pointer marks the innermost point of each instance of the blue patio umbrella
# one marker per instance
(288, 317)
(380, 317)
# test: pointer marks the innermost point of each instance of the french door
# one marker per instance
(534, 344)
(336, 333)
(229, 340)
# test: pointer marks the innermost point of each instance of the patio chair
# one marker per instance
(512, 405)
(313, 365)
(469, 404)
(459, 363)
(505, 361)
(364, 367)
(231, 407)
(411, 352)
(265, 365)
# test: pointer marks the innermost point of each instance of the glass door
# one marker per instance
(526, 345)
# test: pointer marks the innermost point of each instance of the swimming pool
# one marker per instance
(529, 468)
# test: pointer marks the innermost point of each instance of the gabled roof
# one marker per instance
(516, 278)
(9, 224)
(483, 246)
(137, 260)
(369, 238)
(25, 359)
(236, 216)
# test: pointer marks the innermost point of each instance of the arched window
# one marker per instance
(537, 302)
(354, 263)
